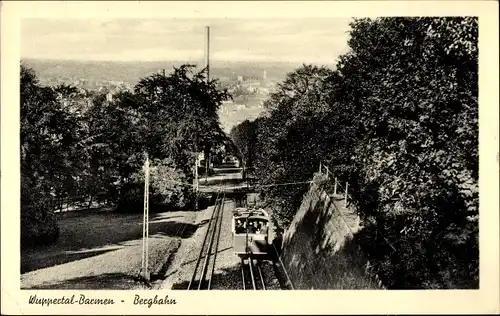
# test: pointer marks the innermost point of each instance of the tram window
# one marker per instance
(240, 226)
(252, 229)
(264, 228)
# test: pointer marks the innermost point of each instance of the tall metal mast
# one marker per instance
(145, 222)
(207, 51)
(207, 66)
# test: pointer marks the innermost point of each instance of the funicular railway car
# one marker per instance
(250, 228)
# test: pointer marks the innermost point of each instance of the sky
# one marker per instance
(311, 40)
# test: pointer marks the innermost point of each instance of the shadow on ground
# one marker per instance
(110, 281)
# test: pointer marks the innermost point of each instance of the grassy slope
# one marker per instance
(103, 250)
(319, 250)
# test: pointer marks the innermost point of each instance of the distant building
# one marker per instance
(240, 78)
(264, 91)
(253, 84)
(264, 76)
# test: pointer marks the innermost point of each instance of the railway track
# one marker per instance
(252, 276)
(205, 263)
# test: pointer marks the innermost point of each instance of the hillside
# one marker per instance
(95, 74)
(131, 72)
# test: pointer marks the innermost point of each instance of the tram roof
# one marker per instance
(263, 218)
(253, 213)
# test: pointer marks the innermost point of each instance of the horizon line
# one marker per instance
(193, 62)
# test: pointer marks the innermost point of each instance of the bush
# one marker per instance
(168, 188)
(131, 198)
(40, 231)
(38, 223)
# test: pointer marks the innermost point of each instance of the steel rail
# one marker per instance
(218, 208)
(252, 277)
(261, 275)
(221, 215)
(203, 244)
(243, 273)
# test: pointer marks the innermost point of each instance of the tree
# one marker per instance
(76, 143)
(46, 128)
(181, 111)
(113, 144)
(177, 117)
(412, 88)
(284, 150)
(398, 120)
(244, 136)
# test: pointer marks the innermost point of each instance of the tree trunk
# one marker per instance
(60, 203)
(206, 165)
(244, 171)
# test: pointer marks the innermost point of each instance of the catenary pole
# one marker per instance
(207, 51)
(207, 66)
(145, 222)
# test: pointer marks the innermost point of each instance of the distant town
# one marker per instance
(248, 94)
(249, 85)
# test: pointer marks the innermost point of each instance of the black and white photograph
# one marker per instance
(159, 154)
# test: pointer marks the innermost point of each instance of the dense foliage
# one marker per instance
(244, 137)
(76, 143)
(398, 120)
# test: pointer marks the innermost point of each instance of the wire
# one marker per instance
(280, 184)
(182, 183)
(262, 185)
